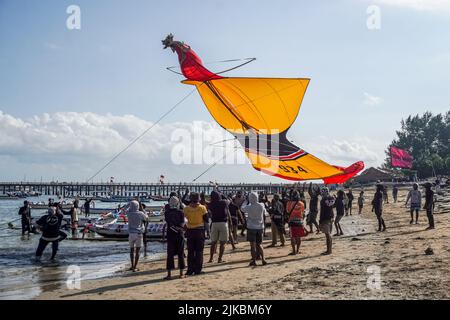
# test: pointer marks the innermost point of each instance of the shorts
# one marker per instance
(325, 226)
(255, 235)
(135, 240)
(415, 206)
(338, 218)
(219, 232)
(298, 232)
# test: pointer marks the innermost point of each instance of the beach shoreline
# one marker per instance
(406, 272)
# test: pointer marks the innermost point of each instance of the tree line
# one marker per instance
(427, 138)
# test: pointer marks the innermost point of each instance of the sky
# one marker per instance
(72, 99)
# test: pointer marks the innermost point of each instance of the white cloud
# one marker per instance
(77, 144)
(347, 151)
(90, 134)
(371, 100)
(52, 46)
(71, 146)
(436, 6)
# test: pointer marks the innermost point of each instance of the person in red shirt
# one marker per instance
(296, 210)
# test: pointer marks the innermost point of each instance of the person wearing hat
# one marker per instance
(174, 218)
(50, 225)
(416, 202)
(136, 219)
(25, 214)
(429, 204)
(326, 218)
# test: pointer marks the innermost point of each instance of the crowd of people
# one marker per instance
(191, 219)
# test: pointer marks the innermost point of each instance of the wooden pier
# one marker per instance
(72, 189)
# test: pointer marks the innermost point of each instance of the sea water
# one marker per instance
(22, 278)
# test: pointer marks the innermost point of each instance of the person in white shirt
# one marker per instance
(136, 228)
(416, 202)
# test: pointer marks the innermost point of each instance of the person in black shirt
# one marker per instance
(395, 193)
(276, 211)
(350, 198)
(25, 214)
(87, 207)
(313, 208)
(174, 218)
(326, 218)
(50, 225)
(185, 199)
(220, 215)
(340, 212)
(429, 205)
(235, 218)
(377, 207)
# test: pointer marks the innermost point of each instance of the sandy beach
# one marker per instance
(406, 271)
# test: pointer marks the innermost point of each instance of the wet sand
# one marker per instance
(406, 271)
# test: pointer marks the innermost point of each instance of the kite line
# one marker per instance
(141, 135)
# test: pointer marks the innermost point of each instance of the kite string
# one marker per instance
(142, 134)
(214, 164)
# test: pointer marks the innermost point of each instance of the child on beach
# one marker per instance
(361, 201)
(340, 211)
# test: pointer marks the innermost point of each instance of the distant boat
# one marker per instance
(122, 199)
(117, 227)
(107, 210)
(158, 198)
(8, 197)
(44, 206)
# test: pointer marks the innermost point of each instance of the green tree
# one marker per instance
(427, 138)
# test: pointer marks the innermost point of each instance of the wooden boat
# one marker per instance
(158, 198)
(118, 227)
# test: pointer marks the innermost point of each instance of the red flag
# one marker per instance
(401, 159)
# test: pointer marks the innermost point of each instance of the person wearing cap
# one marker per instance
(326, 218)
(195, 213)
(377, 207)
(50, 225)
(136, 219)
(416, 202)
(429, 205)
(25, 215)
(174, 218)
